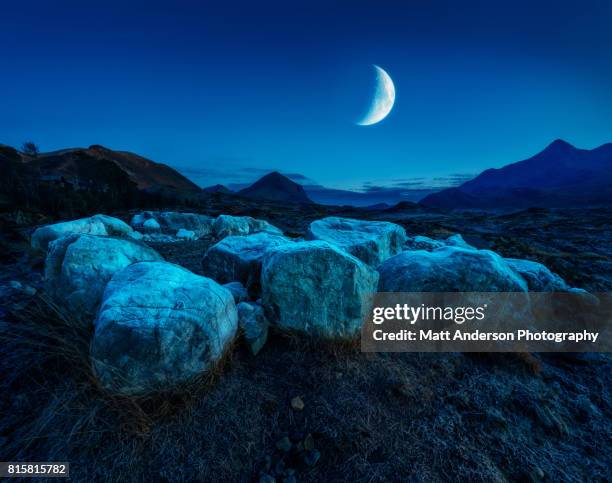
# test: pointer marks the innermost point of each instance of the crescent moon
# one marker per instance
(384, 98)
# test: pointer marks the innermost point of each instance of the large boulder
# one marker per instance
(238, 258)
(538, 277)
(370, 241)
(78, 266)
(170, 222)
(160, 325)
(449, 269)
(227, 225)
(94, 225)
(316, 288)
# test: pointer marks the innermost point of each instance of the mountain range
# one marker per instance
(559, 176)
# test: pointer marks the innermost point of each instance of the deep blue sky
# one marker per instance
(222, 90)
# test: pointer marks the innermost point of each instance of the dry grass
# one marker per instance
(373, 417)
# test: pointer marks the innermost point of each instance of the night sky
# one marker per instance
(225, 91)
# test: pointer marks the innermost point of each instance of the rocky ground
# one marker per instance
(309, 411)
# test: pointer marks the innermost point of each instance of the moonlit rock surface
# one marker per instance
(227, 225)
(538, 277)
(458, 241)
(420, 242)
(254, 324)
(238, 258)
(370, 241)
(238, 291)
(151, 226)
(316, 288)
(448, 269)
(172, 221)
(160, 325)
(78, 266)
(186, 234)
(94, 225)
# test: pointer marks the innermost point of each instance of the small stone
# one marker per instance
(280, 469)
(284, 444)
(151, 226)
(290, 479)
(254, 325)
(312, 457)
(309, 443)
(297, 404)
(186, 234)
(265, 478)
(537, 473)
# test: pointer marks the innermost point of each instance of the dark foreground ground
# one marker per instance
(366, 417)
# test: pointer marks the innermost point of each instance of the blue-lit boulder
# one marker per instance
(94, 225)
(420, 242)
(238, 258)
(370, 241)
(160, 325)
(170, 222)
(78, 267)
(449, 269)
(227, 225)
(316, 288)
(538, 277)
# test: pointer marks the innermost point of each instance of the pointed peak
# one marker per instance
(273, 174)
(559, 144)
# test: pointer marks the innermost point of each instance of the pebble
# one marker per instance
(312, 457)
(297, 404)
(284, 444)
(309, 442)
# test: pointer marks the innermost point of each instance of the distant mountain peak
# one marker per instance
(274, 176)
(218, 188)
(276, 187)
(561, 142)
(559, 176)
(559, 145)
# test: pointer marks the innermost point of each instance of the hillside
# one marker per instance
(81, 180)
(559, 176)
(90, 164)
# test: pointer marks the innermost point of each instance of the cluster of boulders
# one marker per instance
(171, 226)
(157, 324)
